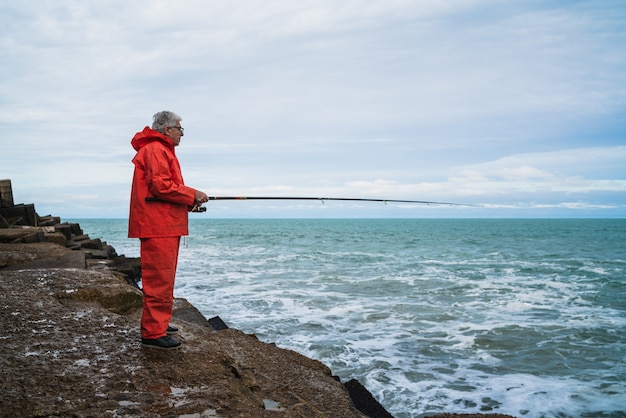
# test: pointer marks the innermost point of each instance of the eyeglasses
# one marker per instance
(181, 129)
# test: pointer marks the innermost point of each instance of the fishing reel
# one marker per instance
(198, 208)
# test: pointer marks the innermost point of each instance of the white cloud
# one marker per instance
(540, 164)
(484, 100)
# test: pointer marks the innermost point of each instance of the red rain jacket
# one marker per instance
(157, 175)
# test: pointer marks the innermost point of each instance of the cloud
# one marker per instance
(479, 101)
(565, 161)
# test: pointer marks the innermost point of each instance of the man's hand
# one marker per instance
(200, 198)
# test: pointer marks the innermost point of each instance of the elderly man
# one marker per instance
(159, 204)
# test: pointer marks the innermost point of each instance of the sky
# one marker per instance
(517, 107)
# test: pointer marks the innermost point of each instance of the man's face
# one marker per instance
(174, 133)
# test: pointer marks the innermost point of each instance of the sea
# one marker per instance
(525, 317)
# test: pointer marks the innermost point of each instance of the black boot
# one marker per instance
(162, 343)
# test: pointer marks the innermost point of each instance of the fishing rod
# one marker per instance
(323, 199)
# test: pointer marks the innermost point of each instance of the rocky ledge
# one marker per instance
(71, 347)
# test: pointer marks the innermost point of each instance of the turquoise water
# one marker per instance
(523, 317)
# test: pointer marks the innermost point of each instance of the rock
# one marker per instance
(118, 299)
(56, 237)
(18, 215)
(15, 235)
(18, 254)
(364, 400)
(74, 351)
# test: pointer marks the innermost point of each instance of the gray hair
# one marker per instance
(163, 119)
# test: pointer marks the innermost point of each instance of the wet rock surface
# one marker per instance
(72, 348)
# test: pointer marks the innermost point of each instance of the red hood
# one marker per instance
(149, 135)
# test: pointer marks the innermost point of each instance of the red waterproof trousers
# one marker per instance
(159, 259)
